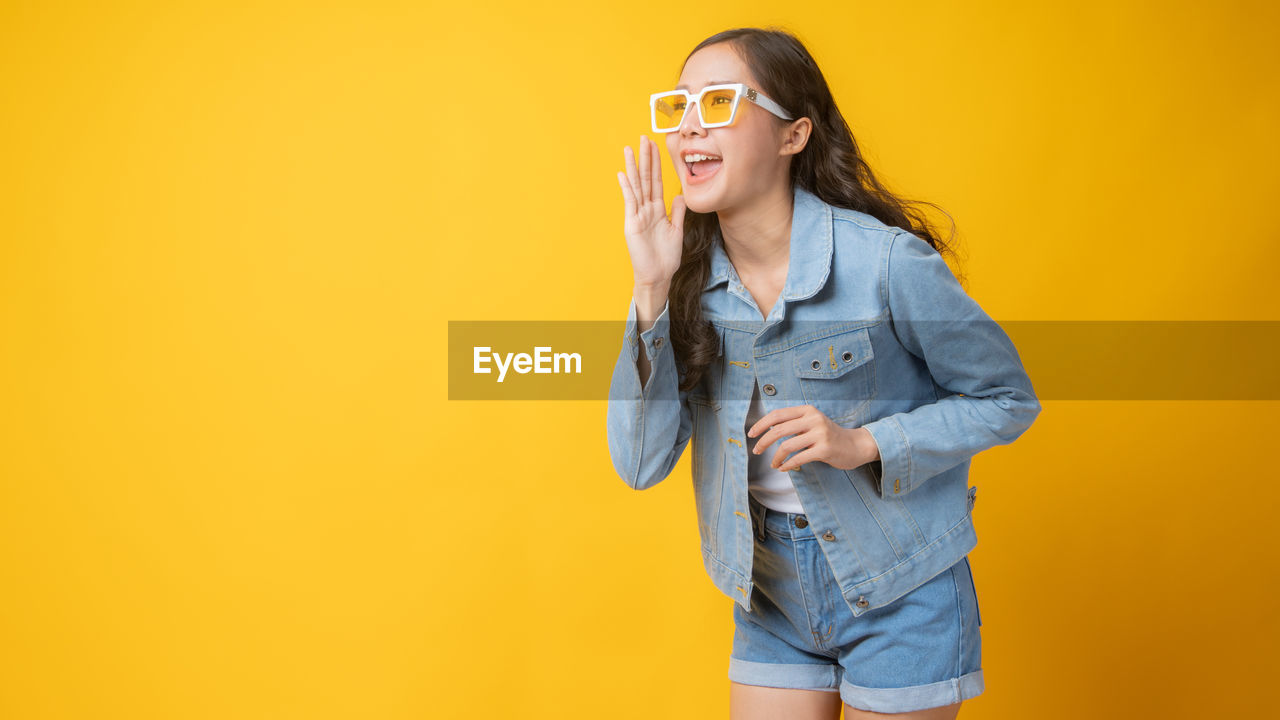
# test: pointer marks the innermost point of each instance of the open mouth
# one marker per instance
(702, 166)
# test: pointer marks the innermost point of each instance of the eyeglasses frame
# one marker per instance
(742, 91)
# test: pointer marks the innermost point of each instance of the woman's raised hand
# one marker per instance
(654, 241)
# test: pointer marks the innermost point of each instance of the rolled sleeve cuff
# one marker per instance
(893, 470)
(655, 338)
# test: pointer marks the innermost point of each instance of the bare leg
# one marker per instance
(946, 712)
(754, 702)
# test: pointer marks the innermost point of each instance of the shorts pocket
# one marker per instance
(977, 609)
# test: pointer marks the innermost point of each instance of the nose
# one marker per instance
(689, 124)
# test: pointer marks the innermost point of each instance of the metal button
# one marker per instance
(828, 535)
(802, 521)
(657, 343)
(847, 356)
(817, 365)
(769, 390)
(862, 602)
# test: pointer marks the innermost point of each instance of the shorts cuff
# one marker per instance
(800, 677)
(917, 697)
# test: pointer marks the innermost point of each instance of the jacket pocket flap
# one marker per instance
(833, 356)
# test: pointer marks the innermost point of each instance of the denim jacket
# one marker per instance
(873, 330)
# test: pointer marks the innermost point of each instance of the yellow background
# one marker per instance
(232, 235)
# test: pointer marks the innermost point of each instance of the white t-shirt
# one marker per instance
(768, 485)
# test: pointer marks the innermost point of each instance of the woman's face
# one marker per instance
(750, 154)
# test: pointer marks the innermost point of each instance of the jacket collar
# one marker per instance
(810, 255)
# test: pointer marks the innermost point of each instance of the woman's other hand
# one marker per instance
(816, 436)
(654, 240)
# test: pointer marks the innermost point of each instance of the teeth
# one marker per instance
(696, 157)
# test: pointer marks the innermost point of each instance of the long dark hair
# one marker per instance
(830, 166)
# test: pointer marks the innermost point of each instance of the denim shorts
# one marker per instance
(920, 651)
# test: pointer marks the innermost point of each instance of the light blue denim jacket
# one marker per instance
(872, 329)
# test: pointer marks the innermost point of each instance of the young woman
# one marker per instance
(796, 322)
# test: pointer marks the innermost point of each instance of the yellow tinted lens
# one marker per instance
(668, 110)
(717, 105)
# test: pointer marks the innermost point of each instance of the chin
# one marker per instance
(698, 205)
(700, 201)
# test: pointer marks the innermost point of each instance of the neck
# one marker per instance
(757, 238)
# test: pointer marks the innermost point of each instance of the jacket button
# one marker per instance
(847, 357)
(816, 365)
(862, 602)
(802, 521)
(828, 535)
(657, 343)
(769, 390)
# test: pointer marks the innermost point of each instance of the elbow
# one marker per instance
(645, 441)
(629, 466)
(1033, 411)
(1029, 405)
(1022, 415)
(625, 454)
(636, 480)
(629, 471)
(624, 428)
(625, 461)
(641, 483)
(1018, 409)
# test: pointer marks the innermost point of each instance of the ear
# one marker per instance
(795, 136)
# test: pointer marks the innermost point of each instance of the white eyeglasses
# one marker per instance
(717, 106)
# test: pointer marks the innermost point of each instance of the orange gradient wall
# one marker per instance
(232, 484)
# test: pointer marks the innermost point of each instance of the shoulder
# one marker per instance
(882, 255)
(856, 221)
(852, 228)
(863, 243)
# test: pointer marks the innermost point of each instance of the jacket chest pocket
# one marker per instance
(837, 373)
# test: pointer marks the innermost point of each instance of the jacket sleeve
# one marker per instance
(648, 430)
(991, 401)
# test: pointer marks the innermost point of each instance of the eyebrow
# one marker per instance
(713, 82)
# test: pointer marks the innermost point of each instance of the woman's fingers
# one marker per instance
(798, 459)
(646, 171)
(789, 445)
(633, 175)
(628, 200)
(774, 418)
(655, 172)
(642, 184)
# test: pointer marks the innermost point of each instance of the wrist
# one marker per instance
(650, 298)
(867, 445)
